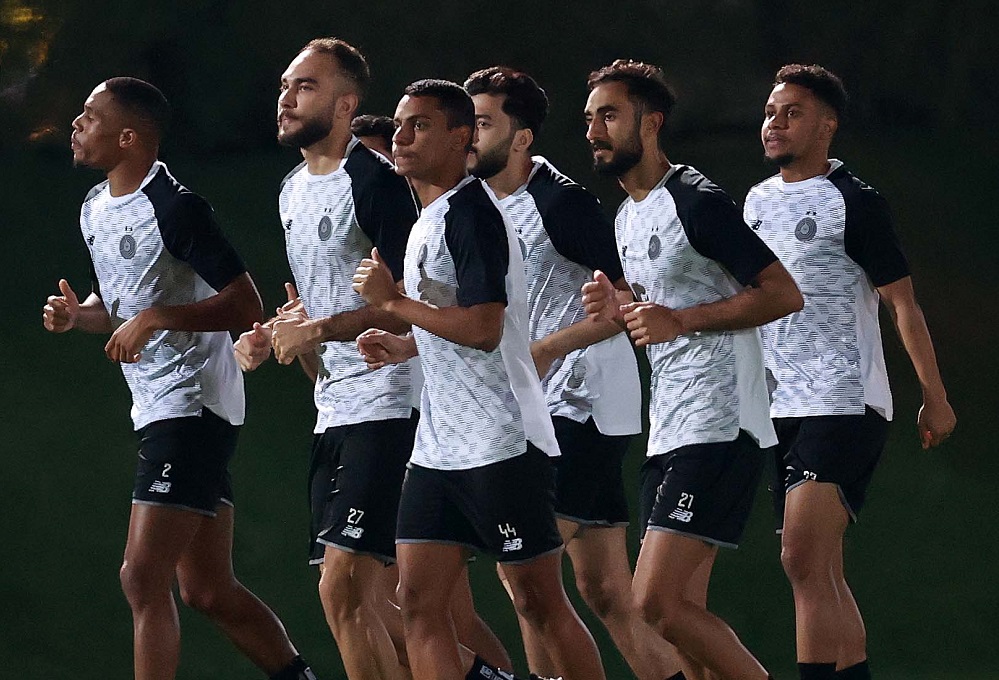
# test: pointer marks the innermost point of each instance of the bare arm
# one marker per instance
(236, 307)
(936, 418)
(64, 312)
(298, 337)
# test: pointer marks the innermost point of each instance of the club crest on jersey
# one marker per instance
(325, 228)
(127, 246)
(806, 228)
(655, 247)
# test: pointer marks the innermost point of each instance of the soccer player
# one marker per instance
(592, 392)
(342, 200)
(375, 132)
(832, 403)
(702, 282)
(479, 476)
(167, 288)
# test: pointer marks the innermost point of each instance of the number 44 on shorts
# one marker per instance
(512, 543)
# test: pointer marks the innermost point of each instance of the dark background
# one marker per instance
(923, 561)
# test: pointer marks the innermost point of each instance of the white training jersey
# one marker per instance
(157, 246)
(685, 244)
(563, 236)
(330, 224)
(834, 235)
(477, 407)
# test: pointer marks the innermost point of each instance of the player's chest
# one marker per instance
(124, 239)
(320, 222)
(801, 229)
(654, 249)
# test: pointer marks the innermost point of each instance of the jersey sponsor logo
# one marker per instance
(352, 531)
(325, 228)
(681, 515)
(159, 486)
(127, 247)
(655, 247)
(807, 228)
(513, 544)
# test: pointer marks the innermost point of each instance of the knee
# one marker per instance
(202, 597)
(338, 593)
(419, 604)
(657, 612)
(798, 561)
(602, 596)
(535, 606)
(141, 583)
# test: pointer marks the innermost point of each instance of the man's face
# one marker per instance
(307, 100)
(96, 132)
(795, 124)
(494, 131)
(612, 129)
(422, 144)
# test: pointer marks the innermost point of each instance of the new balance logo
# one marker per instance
(513, 544)
(90, 240)
(352, 531)
(681, 515)
(756, 224)
(159, 486)
(287, 225)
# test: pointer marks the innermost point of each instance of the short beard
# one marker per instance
(312, 131)
(781, 161)
(491, 163)
(621, 161)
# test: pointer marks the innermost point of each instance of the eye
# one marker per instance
(608, 117)
(482, 124)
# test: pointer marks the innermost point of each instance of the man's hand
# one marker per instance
(294, 305)
(253, 347)
(373, 281)
(936, 421)
(61, 311)
(649, 323)
(380, 348)
(600, 299)
(128, 339)
(293, 334)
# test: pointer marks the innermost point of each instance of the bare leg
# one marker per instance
(540, 598)
(427, 573)
(473, 632)
(350, 589)
(666, 566)
(207, 584)
(600, 560)
(853, 634)
(814, 523)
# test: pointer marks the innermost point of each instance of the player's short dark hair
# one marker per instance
(645, 82)
(524, 100)
(459, 111)
(821, 82)
(370, 125)
(349, 60)
(141, 100)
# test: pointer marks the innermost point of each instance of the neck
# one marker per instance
(429, 189)
(126, 177)
(512, 177)
(640, 180)
(806, 168)
(324, 156)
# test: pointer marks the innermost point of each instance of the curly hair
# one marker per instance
(821, 82)
(524, 100)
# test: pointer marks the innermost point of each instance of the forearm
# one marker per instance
(915, 335)
(93, 316)
(310, 365)
(235, 308)
(480, 326)
(581, 334)
(346, 326)
(747, 309)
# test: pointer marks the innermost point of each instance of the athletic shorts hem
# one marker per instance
(596, 523)
(706, 539)
(839, 490)
(178, 506)
(441, 541)
(528, 560)
(384, 559)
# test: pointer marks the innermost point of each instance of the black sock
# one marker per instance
(678, 676)
(817, 671)
(481, 670)
(858, 671)
(296, 669)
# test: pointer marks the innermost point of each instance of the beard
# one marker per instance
(781, 161)
(311, 131)
(492, 162)
(623, 159)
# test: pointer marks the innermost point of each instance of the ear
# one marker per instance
(461, 137)
(829, 126)
(127, 138)
(522, 140)
(347, 104)
(652, 122)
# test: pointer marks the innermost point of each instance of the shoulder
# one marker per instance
(472, 199)
(174, 204)
(695, 195)
(294, 171)
(369, 169)
(856, 193)
(763, 188)
(95, 191)
(554, 192)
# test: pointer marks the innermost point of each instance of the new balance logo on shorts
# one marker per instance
(513, 544)
(159, 487)
(681, 515)
(352, 531)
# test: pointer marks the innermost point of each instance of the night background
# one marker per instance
(924, 560)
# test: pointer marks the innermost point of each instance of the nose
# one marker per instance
(778, 121)
(595, 129)
(286, 99)
(402, 137)
(76, 124)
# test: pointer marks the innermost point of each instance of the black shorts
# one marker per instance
(184, 463)
(840, 450)
(355, 478)
(589, 488)
(505, 509)
(704, 491)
